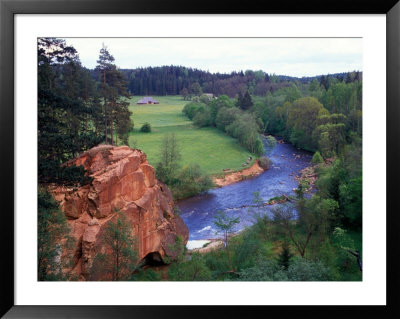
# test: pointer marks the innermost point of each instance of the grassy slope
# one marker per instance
(208, 147)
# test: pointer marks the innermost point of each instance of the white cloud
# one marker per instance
(286, 56)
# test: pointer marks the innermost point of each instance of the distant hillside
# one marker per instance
(174, 80)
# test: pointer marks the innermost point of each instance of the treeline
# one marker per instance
(317, 116)
(175, 80)
(229, 117)
(75, 110)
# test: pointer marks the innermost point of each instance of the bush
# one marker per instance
(192, 108)
(264, 162)
(226, 116)
(317, 158)
(190, 181)
(146, 128)
(305, 270)
(202, 118)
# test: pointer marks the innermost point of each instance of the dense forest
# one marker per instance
(313, 236)
(175, 80)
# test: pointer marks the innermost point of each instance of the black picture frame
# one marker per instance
(9, 8)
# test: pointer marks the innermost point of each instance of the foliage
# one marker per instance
(68, 106)
(114, 90)
(244, 101)
(52, 239)
(302, 120)
(285, 256)
(193, 269)
(190, 180)
(264, 270)
(317, 158)
(170, 156)
(146, 128)
(225, 224)
(120, 258)
(305, 270)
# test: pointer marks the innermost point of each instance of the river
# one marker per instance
(197, 212)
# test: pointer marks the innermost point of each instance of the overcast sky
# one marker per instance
(282, 56)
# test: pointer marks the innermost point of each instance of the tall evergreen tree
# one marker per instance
(63, 112)
(114, 88)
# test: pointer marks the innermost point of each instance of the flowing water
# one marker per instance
(198, 211)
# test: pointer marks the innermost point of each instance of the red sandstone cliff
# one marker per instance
(123, 180)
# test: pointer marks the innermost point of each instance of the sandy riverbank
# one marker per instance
(234, 177)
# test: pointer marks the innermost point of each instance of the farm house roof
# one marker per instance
(147, 99)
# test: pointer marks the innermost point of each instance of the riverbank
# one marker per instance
(234, 177)
(238, 198)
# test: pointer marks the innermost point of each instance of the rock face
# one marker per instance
(122, 180)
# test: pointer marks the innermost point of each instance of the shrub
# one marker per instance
(146, 128)
(192, 108)
(202, 118)
(305, 270)
(190, 181)
(317, 158)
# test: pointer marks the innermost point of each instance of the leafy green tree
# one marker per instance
(192, 108)
(225, 224)
(350, 200)
(202, 117)
(53, 238)
(246, 129)
(185, 93)
(195, 89)
(302, 119)
(226, 116)
(166, 169)
(121, 257)
(330, 134)
(190, 180)
(216, 105)
(313, 219)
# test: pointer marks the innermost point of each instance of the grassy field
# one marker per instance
(208, 147)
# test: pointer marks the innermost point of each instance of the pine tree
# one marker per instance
(114, 87)
(52, 238)
(245, 102)
(285, 255)
(121, 258)
(64, 112)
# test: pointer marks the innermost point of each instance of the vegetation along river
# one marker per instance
(235, 199)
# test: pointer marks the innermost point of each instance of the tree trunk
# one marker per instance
(105, 104)
(112, 122)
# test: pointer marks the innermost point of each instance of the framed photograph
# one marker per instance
(168, 159)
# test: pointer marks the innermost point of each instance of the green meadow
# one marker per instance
(208, 147)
